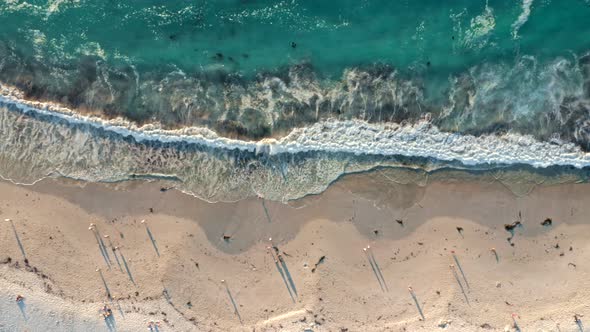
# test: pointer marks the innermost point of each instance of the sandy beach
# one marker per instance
(436, 239)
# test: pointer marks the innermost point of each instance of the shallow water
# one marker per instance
(345, 86)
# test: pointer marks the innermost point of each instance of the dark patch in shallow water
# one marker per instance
(294, 96)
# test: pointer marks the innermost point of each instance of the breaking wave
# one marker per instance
(43, 139)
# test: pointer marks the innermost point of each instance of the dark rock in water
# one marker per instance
(547, 222)
(253, 120)
(293, 45)
(511, 227)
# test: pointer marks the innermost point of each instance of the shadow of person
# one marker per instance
(151, 236)
(373, 268)
(515, 324)
(109, 318)
(233, 302)
(579, 323)
(127, 267)
(288, 274)
(282, 273)
(416, 302)
(111, 323)
(23, 308)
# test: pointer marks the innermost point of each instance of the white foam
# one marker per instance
(480, 29)
(425, 140)
(352, 136)
(522, 18)
(54, 6)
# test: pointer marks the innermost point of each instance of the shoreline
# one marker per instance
(329, 135)
(215, 168)
(356, 211)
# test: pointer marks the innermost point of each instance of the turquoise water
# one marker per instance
(253, 69)
(255, 36)
(190, 63)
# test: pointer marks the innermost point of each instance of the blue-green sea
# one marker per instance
(232, 98)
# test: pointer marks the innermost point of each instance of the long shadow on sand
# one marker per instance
(579, 323)
(377, 268)
(233, 302)
(149, 232)
(417, 304)
(20, 245)
(111, 323)
(22, 306)
(102, 249)
(374, 269)
(459, 283)
(282, 273)
(288, 274)
(127, 267)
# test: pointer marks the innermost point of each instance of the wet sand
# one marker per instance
(541, 274)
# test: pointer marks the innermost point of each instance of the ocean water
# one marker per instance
(228, 99)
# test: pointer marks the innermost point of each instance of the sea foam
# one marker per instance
(522, 18)
(357, 137)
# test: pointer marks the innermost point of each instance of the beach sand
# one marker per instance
(323, 280)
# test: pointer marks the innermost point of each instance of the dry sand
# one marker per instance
(541, 275)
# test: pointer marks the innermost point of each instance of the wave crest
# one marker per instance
(40, 139)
